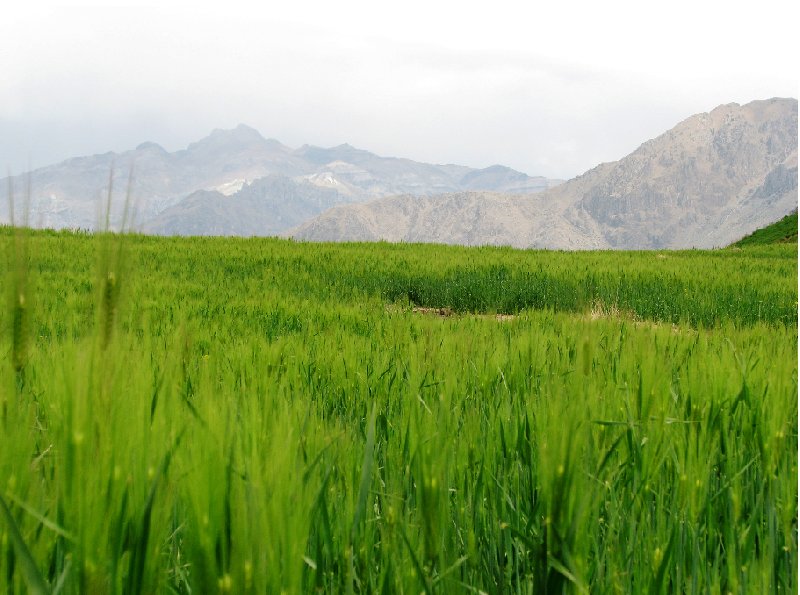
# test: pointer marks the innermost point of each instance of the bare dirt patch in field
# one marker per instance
(601, 311)
(443, 312)
(449, 312)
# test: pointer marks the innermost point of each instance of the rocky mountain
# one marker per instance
(708, 181)
(266, 206)
(165, 188)
(73, 193)
(466, 218)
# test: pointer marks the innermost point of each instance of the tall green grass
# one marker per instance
(782, 231)
(252, 416)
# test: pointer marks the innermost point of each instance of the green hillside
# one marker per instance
(783, 231)
(186, 415)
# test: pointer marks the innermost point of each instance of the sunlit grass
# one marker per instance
(263, 416)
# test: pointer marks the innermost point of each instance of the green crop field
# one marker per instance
(182, 415)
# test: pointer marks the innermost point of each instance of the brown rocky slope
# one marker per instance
(706, 182)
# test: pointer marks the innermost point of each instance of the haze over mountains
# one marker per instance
(236, 182)
(708, 181)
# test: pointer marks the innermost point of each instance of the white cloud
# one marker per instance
(551, 89)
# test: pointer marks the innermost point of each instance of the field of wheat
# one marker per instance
(185, 415)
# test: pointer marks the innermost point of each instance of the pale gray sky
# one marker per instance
(547, 89)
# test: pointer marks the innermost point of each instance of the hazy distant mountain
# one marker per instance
(707, 182)
(370, 176)
(468, 218)
(73, 193)
(265, 206)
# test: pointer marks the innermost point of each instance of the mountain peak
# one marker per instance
(726, 106)
(241, 137)
(497, 168)
(344, 152)
(151, 146)
(242, 132)
(245, 129)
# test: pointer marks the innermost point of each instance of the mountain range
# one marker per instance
(707, 182)
(710, 180)
(235, 182)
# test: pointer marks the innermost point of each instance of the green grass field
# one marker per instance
(783, 231)
(261, 416)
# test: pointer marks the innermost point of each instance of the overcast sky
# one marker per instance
(549, 88)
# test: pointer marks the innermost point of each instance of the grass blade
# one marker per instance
(33, 578)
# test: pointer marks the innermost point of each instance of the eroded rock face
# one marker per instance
(708, 181)
(674, 190)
